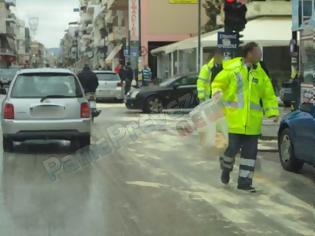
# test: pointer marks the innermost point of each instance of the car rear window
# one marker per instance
(45, 84)
(107, 77)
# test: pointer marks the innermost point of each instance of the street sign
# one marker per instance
(183, 1)
(227, 40)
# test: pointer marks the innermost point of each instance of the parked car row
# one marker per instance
(178, 92)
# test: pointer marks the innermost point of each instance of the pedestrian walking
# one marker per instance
(207, 73)
(128, 77)
(146, 75)
(242, 84)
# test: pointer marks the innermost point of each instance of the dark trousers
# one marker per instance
(127, 86)
(248, 145)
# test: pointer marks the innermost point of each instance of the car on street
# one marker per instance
(110, 86)
(173, 93)
(7, 75)
(296, 138)
(45, 104)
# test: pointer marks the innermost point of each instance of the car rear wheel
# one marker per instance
(85, 141)
(287, 157)
(80, 142)
(7, 145)
(153, 105)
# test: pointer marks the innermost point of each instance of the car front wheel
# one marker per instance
(153, 105)
(287, 157)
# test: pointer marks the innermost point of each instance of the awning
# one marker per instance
(113, 53)
(266, 31)
(181, 45)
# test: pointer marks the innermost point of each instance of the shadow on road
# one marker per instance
(36, 147)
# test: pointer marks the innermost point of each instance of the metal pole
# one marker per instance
(199, 36)
(140, 30)
(139, 67)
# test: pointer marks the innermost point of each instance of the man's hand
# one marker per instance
(217, 95)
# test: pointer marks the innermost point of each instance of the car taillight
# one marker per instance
(8, 111)
(119, 84)
(85, 110)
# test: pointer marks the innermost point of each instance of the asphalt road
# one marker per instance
(141, 177)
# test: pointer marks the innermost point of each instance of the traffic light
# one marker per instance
(239, 39)
(235, 16)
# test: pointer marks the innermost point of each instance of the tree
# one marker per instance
(212, 8)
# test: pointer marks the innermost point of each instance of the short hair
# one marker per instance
(248, 48)
(218, 51)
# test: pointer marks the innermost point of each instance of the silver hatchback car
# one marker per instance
(45, 104)
(110, 86)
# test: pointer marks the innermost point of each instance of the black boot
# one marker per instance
(249, 188)
(225, 176)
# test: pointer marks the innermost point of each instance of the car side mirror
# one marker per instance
(307, 107)
(3, 91)
(175, 86)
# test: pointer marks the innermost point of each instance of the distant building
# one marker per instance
(8, 52)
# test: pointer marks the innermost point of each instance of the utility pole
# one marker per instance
(199, 53)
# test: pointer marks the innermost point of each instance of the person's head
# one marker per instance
(146, 67)
(86, 67)
(252, 53)
(218, 56)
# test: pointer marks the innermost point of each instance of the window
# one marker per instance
(41, 85)
(107, 77)
(187, 80)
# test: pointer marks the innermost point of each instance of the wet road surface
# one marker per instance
(140, 177)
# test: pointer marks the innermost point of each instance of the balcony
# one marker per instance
(100, 43)
(11, 18)
(87, 19)
(109, 17)
(118, 34)
(90, 9)
(117, 4)
(10, 2)
(89, 28)
(7, 52)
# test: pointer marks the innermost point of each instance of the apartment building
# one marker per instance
(7, 34)
(38, 54)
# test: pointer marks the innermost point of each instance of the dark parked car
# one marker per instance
(297, 138)
(179, 92)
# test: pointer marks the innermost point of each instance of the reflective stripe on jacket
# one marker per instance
(243, 89)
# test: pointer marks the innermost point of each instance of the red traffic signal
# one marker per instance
(230, 1)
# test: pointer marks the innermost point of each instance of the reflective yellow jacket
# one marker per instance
(204, 81)
(242, 92)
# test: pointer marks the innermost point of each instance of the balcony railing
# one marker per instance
(118, 34)
(7, 52)
(10, 2)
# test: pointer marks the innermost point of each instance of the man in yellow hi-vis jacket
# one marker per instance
(248, 94)
(207, 74)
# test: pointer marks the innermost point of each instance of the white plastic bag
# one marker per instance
(209, 121)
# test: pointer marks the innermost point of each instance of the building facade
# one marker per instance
(8, 51)
(105, 31)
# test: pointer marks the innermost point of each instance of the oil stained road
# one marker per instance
(140, 177)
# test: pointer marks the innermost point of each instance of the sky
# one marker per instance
(54, 16)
